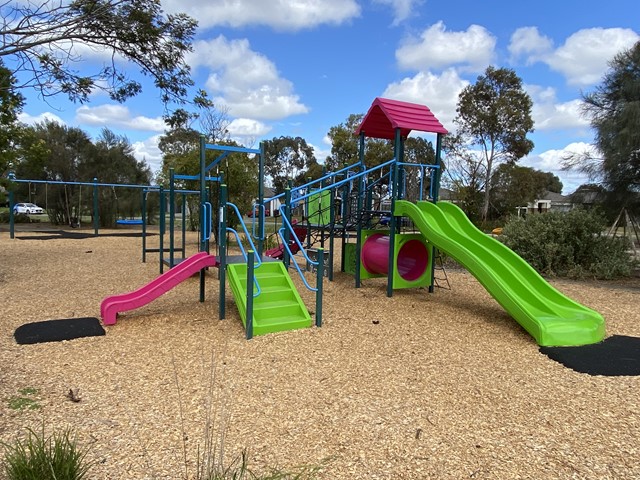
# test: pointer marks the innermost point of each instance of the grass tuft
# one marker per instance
(39, 457)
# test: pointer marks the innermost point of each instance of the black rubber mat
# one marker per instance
(53, 235)
(616, 356)
(58, 330)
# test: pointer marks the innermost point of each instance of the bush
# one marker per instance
(45, 458)
(568, 244)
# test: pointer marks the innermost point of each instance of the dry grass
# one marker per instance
(439, 386)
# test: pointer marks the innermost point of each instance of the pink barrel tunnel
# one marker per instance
(412, 257)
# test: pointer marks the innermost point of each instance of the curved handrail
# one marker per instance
(246, 233)
(207, 227)
(281, 232)
(244, 255)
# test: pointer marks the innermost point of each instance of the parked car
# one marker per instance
(267, 212)
(27, 208)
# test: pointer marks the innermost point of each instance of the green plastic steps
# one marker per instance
(278, 307)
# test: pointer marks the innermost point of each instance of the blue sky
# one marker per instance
(299, 67)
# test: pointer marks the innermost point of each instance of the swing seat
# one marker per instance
(130, 221)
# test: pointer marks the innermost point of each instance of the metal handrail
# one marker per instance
(281, 232)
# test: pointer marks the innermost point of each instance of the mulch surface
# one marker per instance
(443, 385)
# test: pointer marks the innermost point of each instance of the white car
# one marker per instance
(27, 208)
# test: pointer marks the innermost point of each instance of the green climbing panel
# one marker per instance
(278, 307)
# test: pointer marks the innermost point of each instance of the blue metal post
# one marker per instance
(222, 250)
(12, 226)
(287, 213)
(395, 191)
(359, 213)
(172, 214)
(161, 227)
(249, 312)
(261, 219)
(143, 205)
(319, 284)
(96, 210)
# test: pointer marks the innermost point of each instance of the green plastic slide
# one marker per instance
(278, 307)
(550, 317)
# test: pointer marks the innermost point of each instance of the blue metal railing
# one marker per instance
(251, 244)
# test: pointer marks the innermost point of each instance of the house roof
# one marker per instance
(385, 116)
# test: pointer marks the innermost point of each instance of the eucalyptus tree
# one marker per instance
(492, 123)
(46, 42)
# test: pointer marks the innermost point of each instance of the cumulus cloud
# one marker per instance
(401, 8)
(438, 92)
(42, 117)
(552, 160)
(470, 50)
(527, 42)
(113, 115)
(288, 15)
(245, 81)
(584, 56)
(549, 114)
(246, 127)
(148, 151)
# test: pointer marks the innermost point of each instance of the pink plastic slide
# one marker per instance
(278, 252)
(111, 306)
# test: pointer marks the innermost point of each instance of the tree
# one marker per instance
(45, 39)
(345, 146)
(11, 103)
(513, 186)
(493, 120)
(614, 110)
(55, 152)
(285, 158)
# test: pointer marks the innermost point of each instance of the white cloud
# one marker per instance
(287, 15)
(322, 152)
(401, 8)
(33, 119)
(438, 92)
(549, 114)
(245, 81)
(246, 127)
(471, 50)
(528, 42)
(148, 151)
(552, 160)
(112, 115)
(584, 56)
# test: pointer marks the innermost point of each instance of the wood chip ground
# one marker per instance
(443, 385)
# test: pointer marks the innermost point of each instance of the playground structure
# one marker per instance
(381, 230)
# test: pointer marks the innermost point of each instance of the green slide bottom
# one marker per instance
(550, 317)
(278, 307)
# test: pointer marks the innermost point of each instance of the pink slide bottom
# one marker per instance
(111, 306)
(278, 252)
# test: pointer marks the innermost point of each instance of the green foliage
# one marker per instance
(513, 186)
(568, 244)
(287, 158)
(137, 31)
(614, 111)
(39, 457)
(493, 120)
(59, 153)
(11, 103)
(26, 400)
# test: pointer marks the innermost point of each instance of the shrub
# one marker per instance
(568, 244)
(45, 458)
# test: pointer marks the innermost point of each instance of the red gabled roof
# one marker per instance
(385, 115)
